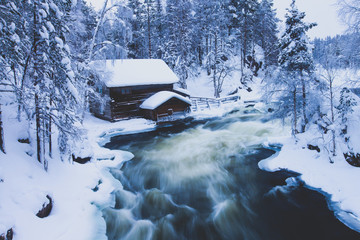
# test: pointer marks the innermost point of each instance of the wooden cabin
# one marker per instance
(165, 106)
(356, 91)
(126, 84)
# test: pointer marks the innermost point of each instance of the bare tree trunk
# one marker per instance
(200, 55)
(207, 44)
(306, 121)
(216, 93)
(38, 129)
(2, 143)
(245, 36)
(36, 80)
(49, 133)
(332, 114)
(91, 48)
(242, 68)
(149, 28)
(43, 147)
(37, 57)
(17, 93)
(295, 112)
(208, 68)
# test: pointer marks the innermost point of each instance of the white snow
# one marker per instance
(182, 90)
(77, 208)
(59, 42)
(15, 38)
(161, 97)
(203, 87)
(134, 72)
(24, 184)
(100, 131)
(50, 27)
(339, 179)
(57, 11)
(74, 92)
(44, 33)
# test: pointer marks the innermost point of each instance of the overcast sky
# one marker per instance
(323, 12)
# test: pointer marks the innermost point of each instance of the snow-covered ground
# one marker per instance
(339, 180)
(80, 191)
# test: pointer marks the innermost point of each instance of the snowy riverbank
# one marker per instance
(78, 191)
(337, 181)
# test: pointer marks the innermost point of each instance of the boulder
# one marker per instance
(352, 158)
(313, 147)
(8, 236)
(80, 159)
(46, 209)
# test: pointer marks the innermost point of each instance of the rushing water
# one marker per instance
(200, 180)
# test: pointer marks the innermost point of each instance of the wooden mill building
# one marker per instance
(126, 84)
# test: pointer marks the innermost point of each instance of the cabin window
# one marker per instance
(125, 91)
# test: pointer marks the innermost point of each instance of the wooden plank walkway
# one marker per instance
(203, 103)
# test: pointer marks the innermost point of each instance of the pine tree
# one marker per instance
(179, 22)
(43, 74)
(81, 26)
(158, 30)
(242, 26)
(14, 44)
(213, 37)
(296, 58)
(266, 31)
(204, 20)
(345, 109)
(137, 46)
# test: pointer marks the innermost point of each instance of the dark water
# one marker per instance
(200, 180)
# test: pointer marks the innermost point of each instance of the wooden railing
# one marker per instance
(202, 103)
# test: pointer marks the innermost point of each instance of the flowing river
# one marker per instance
(200, 180)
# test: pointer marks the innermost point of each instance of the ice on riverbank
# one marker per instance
(339, 180)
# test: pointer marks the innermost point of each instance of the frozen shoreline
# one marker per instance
(337, 181)
(72, 185)
(79, 191)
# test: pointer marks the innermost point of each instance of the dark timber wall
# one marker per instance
(170, 107)
(125, 101)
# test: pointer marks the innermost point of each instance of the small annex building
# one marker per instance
(164, 106)
(127, 83)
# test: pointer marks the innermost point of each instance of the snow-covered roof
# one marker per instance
(134, 72)
(182, 90)
(161, 97)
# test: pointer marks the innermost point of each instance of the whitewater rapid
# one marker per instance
(201, 181)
